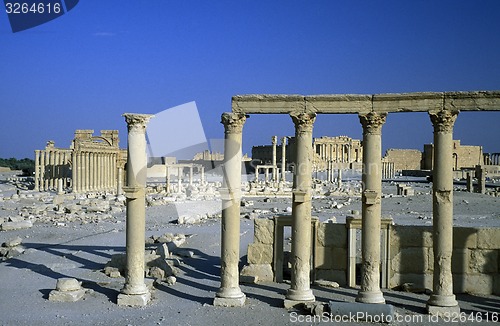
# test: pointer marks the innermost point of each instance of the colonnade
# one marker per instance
(330, 173)
(52, 168)
(94, 171)
(339, 153)
(388, 171)
(491, 158)
(179, 168)
(372, 110)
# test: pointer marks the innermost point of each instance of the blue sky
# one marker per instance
(104, 58)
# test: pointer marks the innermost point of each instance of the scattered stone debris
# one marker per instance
(11, 248)
(67, 290)
(328, 284)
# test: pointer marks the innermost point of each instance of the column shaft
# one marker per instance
(283, 159)
(371, 207)
(300, 290)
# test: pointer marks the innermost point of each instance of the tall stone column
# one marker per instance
(274, 141)
(135, 292)
(202, 178)
(300, 290)
(179, 180)
(74, 171)
(119, 182)
(191, 175)
(371, 207)
(167, 179)
(37, 170)
(230, 293)
(283, 159)
(80, 172)
(442, 300)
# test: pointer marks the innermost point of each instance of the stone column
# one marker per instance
(339, 178)
(230, 293)
(167, 179)
(266, 175)
(80, 172)
(481, 179)
(179, 180)
(191, 175)
(119, 182)
(274, 141)
(300, 290)
(283, 159)
(37, 170)
(202, 180)
(371, 207)
(135, 292)
(442, 300)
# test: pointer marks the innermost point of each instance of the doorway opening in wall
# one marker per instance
(287, 253)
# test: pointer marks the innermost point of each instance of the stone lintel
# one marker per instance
(359, 103)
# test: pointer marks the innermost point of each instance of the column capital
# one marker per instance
(443, 120)
(303, 121)
(233, 122)
(372, 122)
(274, 140)
(283, 139)
(136, 122)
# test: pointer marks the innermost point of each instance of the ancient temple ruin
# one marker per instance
(92, 163)
(443, 109)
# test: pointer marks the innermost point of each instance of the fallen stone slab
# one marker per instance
(9, 226)
(12, 242)
(367, 312)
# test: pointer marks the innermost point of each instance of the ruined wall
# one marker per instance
(475, 262)
(464, 156)
(404, 159)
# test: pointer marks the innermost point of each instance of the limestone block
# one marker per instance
(9, 226)
(323, 258)
(339, 258)
(260, 253)
(133, 299)
(496, 285)
(332, 235)
(411, 236)
(332, 275)
(460, 261)
(67, 290)
(483, 261)
(263, 231)
(411, 260)
(263, 272)
(488, 238)
(479, 284)
(68, 284)
(423, 280)
(12, 242)
(464, 238)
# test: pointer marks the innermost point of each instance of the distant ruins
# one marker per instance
(92, 163)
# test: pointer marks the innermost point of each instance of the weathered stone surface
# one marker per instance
(323, 258)
(163, 251)
(328, 284)
(460, 261)
(112, 272)
(263, 272)
(483, 261)
(66, 296)
(9, 226)
(171, 280)
(12, 242)
(263, 231)
(156, 273)
(465, 238)
(133, 299)
(411, 260)
(418, 280)
(260, 253)
(332, 275)
(68, 284)
(411, 236)
(332, 235)
(488, 238)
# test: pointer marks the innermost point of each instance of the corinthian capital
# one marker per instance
(233, 122)
(443, 120)
(303, 121)
(372, 122)
(137, 122)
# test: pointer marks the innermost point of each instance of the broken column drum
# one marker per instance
(300, 290)
(230, 293)
(371, 207)
(442, 210)
(135, 291)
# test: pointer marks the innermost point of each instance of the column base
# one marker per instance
(442, 300)
(296, 297)
(230, 298)
(133, 299)
(448, 311)
(370, 297)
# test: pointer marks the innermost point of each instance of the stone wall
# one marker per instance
(475, 262)
(404, 159)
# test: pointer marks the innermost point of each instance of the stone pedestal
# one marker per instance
(300, 290)
(230, 294)
(135, 291)
(442, 211)
(371, 207)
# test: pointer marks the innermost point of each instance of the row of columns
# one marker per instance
(340, 153)
(491, 158)
(180, 174)
(94, 171)
(442, 298)
(51, 168)
(388, 170)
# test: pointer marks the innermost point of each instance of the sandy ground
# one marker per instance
(81, 251)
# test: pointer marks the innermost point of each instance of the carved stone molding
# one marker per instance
(443, 120)
(137, 122)
(303, 121)
(233, 122)
(372, 122)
